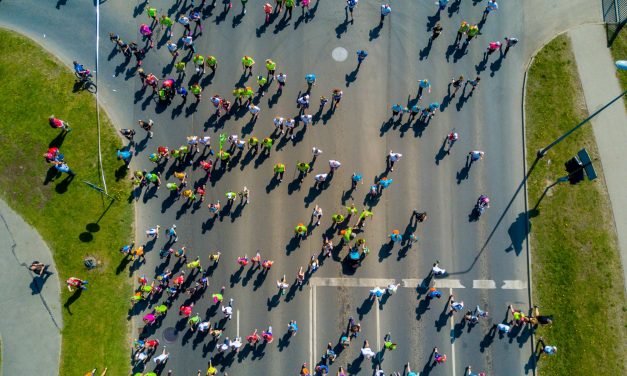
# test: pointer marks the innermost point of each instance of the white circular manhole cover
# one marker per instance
(339, 54)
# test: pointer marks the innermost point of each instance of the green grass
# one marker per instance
(36, 85)
(619, 52)
(576, 267)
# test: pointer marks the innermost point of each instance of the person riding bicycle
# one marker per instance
(81, 71)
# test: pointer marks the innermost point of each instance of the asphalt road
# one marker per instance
(482, 257)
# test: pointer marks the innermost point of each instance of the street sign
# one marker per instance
(587, 164)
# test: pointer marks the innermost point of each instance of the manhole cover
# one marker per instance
(339, 54)
(170, 335)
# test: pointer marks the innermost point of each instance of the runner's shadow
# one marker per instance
(274, 301)
(365, 307)
(352, 76)
(442, 319)
(442, 153)
(463, 173)
(74, 297)
(433, 20)
(283, 23)
(482, 64)
(261, 277)
(354, 367)
(454, 8)
(375, 32)
(460, 52)
(292, 245)
(386, 250)
(284, 341)
(341, 28)
(259, 351)
(249, 275)
(496, 65)
(424, 53)
(237, 20)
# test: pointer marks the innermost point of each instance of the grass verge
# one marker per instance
(74, 220)
(619, 52)
(576, 266)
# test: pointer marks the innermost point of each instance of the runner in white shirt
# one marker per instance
(236, 344)
(290, 124)
(278, 123)
(334, 165)
(254, 110)
(393, 158)
(306, 119)
(316, 152)
(162, 358)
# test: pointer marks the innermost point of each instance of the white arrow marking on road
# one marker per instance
(483, 284)
(515, 284)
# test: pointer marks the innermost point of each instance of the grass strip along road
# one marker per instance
(576, 265)
(619, 52)
(73, 219)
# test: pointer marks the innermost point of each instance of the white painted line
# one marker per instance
(453, 339)
(514, 284)
(378, 327)
(411, 282)
(311, 326)
(483, 284)
(351, 282)
(315, 326)
(238, 323)
(448, 283)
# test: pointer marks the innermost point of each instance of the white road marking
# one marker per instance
(351, 282)
(311, 335)
(483, 284)
(315, 326)
(452, 339)
(411, 282)
(378, 327)
(448, 283)
(514, 285)
(238, 323)
(339, 54)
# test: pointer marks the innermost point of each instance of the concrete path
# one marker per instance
(30, 323)
(600, 85)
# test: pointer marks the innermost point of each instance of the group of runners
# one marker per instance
(162, 292)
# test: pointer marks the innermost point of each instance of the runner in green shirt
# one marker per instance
(262, 81)
(166, 23)
(267, 144)
(212, 62)
(271, 67)
(253, 143)
(199, 60)
(152, 13)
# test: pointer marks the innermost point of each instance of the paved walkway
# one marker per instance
(30, 323)
(600, 85)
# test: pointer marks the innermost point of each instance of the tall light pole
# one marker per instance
(622, 65)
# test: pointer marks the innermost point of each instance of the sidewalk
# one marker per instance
(30, 323)
(600, 85)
